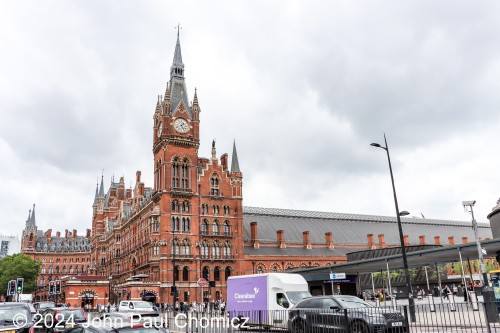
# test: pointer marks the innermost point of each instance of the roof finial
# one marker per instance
(178, 27)
(214, 153)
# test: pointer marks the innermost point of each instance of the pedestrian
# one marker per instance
(446, 291)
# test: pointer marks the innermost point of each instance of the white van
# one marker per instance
(265, 298)
(136, 306)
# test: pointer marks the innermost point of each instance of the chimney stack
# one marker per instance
(58, 234)
(437, 240)
(253, 235)
(421, 239)
(306, 241)
(406, 240)
(451, 240)
(381, 240)
(329, 240)
(281, 239)
(371, 243)
(74, 233)
(88, 233)
(465, 240)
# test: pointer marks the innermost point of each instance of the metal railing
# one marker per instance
(439, 316)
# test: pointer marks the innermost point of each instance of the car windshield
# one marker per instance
(45, 305)
(142, 305)
(296, 296)
(351, 302)
(7, 314)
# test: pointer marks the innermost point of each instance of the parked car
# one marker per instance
(16, 318)
(124, 328)
(123, 317)
(60, 319)
(136, 306)
(41, 306)
(343, 314)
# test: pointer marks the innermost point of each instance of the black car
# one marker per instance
(124, 327)
(60, 319)
(16, 318)
(343, 314)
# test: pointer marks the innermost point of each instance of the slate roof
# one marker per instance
(352, 228)
(296, 251)
(58, 244)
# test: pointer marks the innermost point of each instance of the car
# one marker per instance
(16, 318)
(153, 318)
(41, 306)
(136, 306)
(61, 318)
(343, 314)
(125, 327)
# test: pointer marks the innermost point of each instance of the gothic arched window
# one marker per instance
(175, 173)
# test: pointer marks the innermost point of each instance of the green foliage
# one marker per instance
(16, 266)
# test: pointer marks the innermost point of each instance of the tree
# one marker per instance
(17, 266)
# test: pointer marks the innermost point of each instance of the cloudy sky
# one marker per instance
(303, 87)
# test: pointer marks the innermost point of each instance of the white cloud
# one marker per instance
(303, 87)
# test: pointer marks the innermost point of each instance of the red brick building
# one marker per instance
(191, 223)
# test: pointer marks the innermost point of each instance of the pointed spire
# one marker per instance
(177, 68)
(29, 217)
(32, 218)
(96, 192)
(101, 189)
(235, 165)
(167, 94)
(195, 98)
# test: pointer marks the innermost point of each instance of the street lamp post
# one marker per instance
(411, 301)
(110, 278)
(468, 205)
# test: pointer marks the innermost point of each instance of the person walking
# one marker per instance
(446, 292)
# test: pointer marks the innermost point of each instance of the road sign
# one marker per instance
(202, 282)
(337, 276)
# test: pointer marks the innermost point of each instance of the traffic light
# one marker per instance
(20, 285)
(58, 287)
(11, 290)
(52, 287)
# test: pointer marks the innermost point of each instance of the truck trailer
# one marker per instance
(264, 299)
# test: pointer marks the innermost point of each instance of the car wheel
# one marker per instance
(299, 327)
(359, 327)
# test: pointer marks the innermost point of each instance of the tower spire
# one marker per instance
(32, 218)
(235, 165)
(101, 189)
(177, 68)
(96, 188)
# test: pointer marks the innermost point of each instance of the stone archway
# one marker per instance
(149, 296)
(87, 299)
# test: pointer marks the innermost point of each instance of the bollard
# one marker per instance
(473, 298)
(490, 305)
(432, 306)
(377, 302)
(393, 302)
(452, 303)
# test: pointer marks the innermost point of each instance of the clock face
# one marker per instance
(160, 129)
(181, 125)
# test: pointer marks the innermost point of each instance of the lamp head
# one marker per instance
(469, 203)
(375, 145)
(404, 213)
